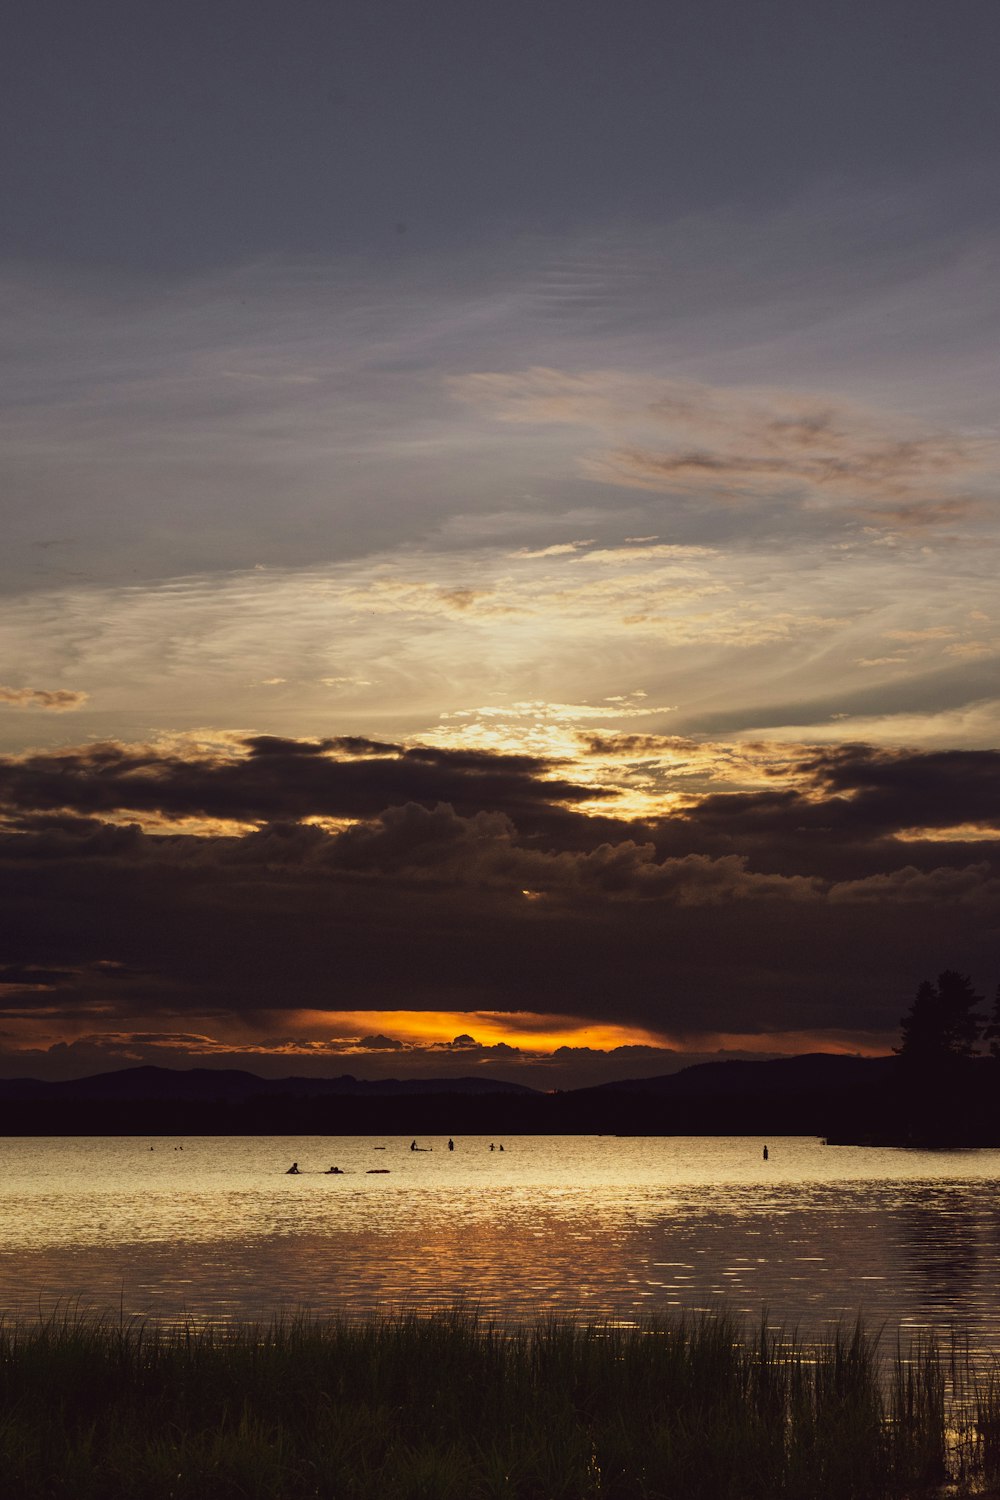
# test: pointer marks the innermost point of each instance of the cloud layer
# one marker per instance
(58, 700)
(537, 606)
(320, 878)
(686, 438)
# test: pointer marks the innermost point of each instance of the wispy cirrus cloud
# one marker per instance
(737, 444)
(785, 635)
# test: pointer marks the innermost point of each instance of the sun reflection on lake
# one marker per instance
(589, 1227)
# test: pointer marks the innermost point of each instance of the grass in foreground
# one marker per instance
(454, 1407)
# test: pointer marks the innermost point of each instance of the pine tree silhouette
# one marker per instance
(942, 1025)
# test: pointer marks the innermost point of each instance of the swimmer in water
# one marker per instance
(293, 1170)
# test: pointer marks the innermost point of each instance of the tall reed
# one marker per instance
(453, 1405)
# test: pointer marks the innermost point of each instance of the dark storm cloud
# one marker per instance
(842, 820)
(890, 789)
(277, 778)
(849, 794)
(770, 910)
(415, 798)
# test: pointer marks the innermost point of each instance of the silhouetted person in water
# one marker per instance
(451, 1145)
(492, 1147)
(765, 1153)
(333, 1171)
(413, 1145)
(293, 1170)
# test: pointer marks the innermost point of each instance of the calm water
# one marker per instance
(583, 1226)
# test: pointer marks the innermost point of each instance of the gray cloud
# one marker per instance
(59, 700)
(975, 885)
(380, 1043)
(221, 389)
(756, 445)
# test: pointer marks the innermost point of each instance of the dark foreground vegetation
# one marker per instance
(455, 1408)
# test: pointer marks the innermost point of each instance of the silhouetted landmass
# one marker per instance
(232, 1085)
(847, 1100)
(780, 1076)
(215, 1101)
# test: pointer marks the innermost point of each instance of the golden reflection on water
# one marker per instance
(589, 1227)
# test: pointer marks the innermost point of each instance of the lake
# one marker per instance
(586, 1227)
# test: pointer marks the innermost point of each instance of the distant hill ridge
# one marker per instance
(233, 1085)
(777, 1076)
(843, 1099)
(773, 1075)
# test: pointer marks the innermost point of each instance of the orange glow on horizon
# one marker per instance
(524, 1029)
(788, 1043)
(540, 1033)
(334, 1035)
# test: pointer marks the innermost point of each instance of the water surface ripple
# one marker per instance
(588, 1227)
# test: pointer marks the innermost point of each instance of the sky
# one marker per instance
(500, 532)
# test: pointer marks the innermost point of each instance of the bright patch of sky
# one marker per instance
(310, 496)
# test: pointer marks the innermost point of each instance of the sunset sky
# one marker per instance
(500, 531)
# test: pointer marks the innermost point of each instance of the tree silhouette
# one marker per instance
(942, 1025)
(939, 1084)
